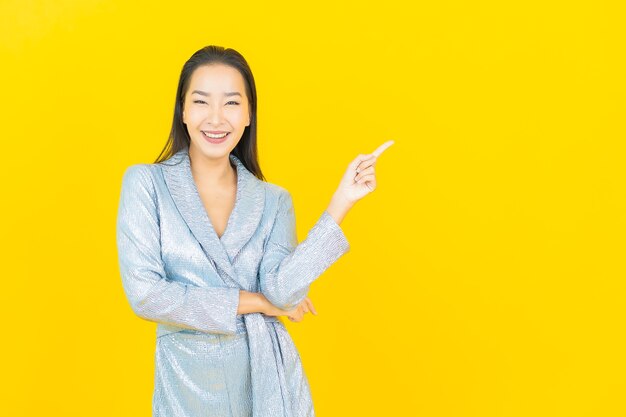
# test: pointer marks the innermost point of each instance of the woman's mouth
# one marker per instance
(215, 138)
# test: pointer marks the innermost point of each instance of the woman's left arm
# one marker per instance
(288, 268)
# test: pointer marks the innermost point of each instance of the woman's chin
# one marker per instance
(215, 150)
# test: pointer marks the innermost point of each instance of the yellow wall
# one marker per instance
(486, 272)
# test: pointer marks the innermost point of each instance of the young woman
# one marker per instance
(208, 250)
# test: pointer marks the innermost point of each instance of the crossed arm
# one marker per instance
(287, 268)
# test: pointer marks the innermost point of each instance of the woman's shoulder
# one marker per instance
(276, 192)
(139, 170)
(139, 175)
(274, 188)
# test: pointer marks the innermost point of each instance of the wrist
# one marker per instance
(262, 303)
(251, 302)
(338, 207)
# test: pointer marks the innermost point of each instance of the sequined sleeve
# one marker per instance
(288, 268)
(151, 295)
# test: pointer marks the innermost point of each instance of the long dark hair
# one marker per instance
(246, 149)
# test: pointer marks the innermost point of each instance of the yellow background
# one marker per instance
(486, 272)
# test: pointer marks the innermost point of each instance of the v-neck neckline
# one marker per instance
(235, 206)
(242, 223)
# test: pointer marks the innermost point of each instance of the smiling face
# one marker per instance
(215, 103)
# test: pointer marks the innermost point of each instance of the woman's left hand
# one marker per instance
(360, 179)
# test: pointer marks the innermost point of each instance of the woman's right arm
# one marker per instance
(151, 294)
(251, 302)
(254, 302)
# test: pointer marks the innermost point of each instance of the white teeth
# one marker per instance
(215, 136)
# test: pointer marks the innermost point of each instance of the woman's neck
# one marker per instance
(212, 172)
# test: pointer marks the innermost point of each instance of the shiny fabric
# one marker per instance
(176, 271)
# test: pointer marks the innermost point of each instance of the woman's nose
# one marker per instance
(215, 114)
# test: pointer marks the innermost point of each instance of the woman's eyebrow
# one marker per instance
(233, 93)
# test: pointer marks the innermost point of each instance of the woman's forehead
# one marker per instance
(217, 79)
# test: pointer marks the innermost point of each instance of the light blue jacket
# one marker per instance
(177, 272)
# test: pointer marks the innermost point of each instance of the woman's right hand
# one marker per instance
(296, 314)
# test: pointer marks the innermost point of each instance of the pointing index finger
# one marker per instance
(382, 148)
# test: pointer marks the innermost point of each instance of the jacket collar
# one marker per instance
(242, 223)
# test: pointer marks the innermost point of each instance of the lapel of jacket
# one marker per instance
(242, 223)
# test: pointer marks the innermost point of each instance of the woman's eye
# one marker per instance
(204, 102)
